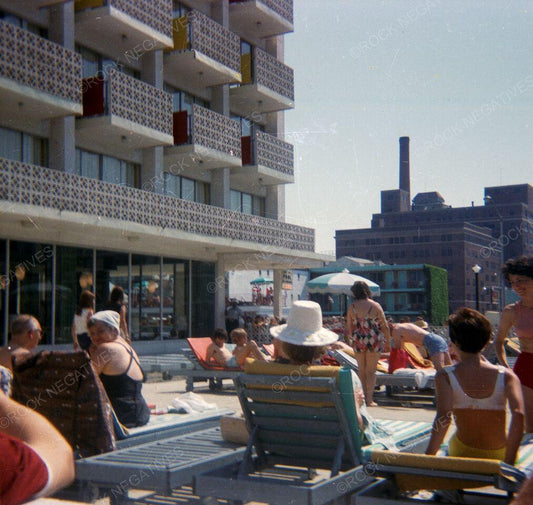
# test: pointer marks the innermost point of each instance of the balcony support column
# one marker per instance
(62, 129)
(278, 292)
(220, 12)
(275, 202)
(220, 188)
(220, 293)
(152, 157)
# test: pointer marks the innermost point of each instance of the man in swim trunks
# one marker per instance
(435, 345)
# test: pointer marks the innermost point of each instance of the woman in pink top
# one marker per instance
(519, 274)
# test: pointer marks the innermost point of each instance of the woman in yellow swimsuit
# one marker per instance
(476, 393)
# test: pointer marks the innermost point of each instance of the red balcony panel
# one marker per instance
(93, 96)
(180, 128)
(246, 148)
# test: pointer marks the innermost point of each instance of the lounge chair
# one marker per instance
(413, 472)
(422, 377)
(161, 464)
(305, 436)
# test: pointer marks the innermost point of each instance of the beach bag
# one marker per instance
(63, 387)
(398, 359)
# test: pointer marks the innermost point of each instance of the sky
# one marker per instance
(454, 76)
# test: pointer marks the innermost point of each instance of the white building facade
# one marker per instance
(141, 145)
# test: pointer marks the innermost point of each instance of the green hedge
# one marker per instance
(437, 282)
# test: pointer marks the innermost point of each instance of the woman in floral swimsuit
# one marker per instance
(370, 335)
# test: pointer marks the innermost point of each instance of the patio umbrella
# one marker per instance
(262, 280)
(339, 283)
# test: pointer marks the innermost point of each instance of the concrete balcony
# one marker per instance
(124, 29)
(205, 54)
(48, 205)
(204, 140)
(261, 18)
(120, 112)
(38, 78)
(267, 86)
(266, 161)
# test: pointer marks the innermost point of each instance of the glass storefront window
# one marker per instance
(175, 298)
(30, 284)
(203, 299)
(74, 274)
(146, 297)
(111, 271)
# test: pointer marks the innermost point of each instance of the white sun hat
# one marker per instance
(304, 326)
(109, 317)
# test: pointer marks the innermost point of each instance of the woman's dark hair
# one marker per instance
(360, 290)
(302, 354)
(86, 301)
(469, 330)
(523, 265)
(116, 295)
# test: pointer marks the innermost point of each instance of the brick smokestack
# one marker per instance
(405, 177)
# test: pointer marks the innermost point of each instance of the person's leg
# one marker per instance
(528, 405)
(372, 359)
(253, 351)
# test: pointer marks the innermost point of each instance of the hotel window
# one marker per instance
(247, 204)
(107, 168)
(22, 23)
(186, 189)
(96, 65)
(19, 146)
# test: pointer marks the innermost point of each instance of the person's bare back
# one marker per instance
(408, 332)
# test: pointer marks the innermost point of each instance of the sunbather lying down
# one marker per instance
(218, 353)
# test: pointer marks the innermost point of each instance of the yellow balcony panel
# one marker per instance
(257, 19)
(205, 54)
(38, 78)
(124, 29)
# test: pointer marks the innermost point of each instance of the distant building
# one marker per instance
(455, 239)
(406, 290)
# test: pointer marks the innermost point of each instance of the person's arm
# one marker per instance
(383, 326)
(506, 322)
(443, 416)
(350, 320)
(210, 353)
(101, 355)
(74, 336)
(513, 392)
(38, 433)
(124, 323)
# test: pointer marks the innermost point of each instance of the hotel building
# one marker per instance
(141, 145)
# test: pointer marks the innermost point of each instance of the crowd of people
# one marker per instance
(476, 393)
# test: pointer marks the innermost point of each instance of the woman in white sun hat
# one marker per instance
(303, 340)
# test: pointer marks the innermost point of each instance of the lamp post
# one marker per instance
(476, 269)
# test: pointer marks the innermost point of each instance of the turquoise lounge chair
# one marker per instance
(305, 445)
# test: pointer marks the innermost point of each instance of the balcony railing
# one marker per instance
(268, 151)
(209, 129)
(126, 97)
(157, 14)
(273, 74)
(43, 187)
(281, 7)
(36, 62)
(199, 32)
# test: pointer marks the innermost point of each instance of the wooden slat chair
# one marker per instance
(412, 472)
(305, 442)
